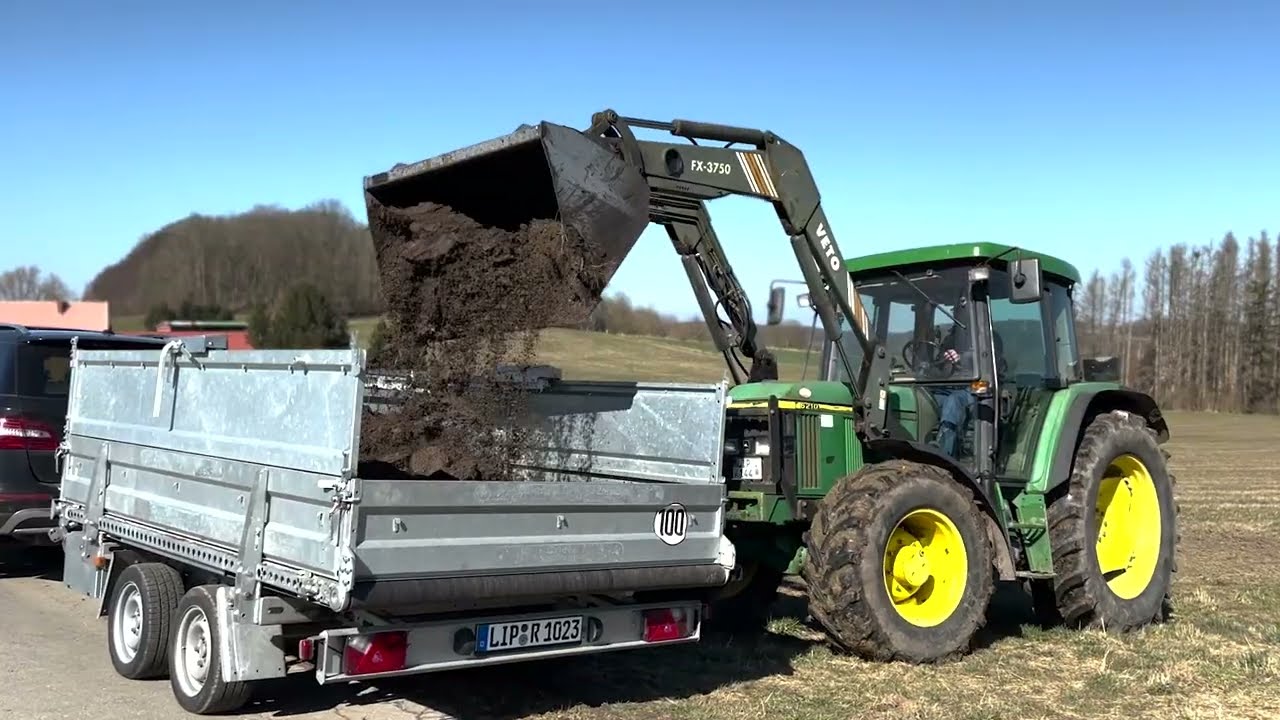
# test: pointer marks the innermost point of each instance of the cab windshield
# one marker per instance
(925, 321)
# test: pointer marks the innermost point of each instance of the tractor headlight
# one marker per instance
(761, 448)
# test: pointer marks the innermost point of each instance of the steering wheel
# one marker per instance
(935, 358)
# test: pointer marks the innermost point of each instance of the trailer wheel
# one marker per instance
(140, 617)
(195, 672)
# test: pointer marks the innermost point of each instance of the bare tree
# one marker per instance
(28, 283)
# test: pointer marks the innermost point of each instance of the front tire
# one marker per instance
(899, 565)
(1114, 531)
(195, 672)
(139, 619)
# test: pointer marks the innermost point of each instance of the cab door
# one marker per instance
(1038, 340)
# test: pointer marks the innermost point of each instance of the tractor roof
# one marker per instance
(938, 254)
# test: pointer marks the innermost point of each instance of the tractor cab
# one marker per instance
(977, 337)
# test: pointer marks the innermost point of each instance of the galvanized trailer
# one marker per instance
(210, 499)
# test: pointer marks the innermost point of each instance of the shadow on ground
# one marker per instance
(1007, 616)
(30, 561)
(639, 676)
(521, 690)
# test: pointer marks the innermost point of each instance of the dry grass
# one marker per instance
(1219, 658)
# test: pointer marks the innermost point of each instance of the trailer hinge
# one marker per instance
(345, 489)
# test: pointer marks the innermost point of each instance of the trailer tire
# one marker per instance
(139, 619)
(195, 670)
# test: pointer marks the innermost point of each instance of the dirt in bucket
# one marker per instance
(463, 298)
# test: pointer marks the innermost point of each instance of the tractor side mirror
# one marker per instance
(777, 296)
(802, 300)
(1024, 281)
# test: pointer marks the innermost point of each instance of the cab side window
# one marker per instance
(1064, 334)
(1020, 329)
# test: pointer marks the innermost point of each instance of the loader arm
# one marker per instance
(715, 286)
(604, 186)
(681, 177)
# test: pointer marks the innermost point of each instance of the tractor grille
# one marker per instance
(808, 452)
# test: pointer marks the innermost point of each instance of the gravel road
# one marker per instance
(56, 666)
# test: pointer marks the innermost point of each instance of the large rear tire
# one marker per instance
(1114, 531)
(899, 564)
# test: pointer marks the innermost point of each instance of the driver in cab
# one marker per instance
(957, 359)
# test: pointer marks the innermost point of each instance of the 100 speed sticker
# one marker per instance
(671, 524)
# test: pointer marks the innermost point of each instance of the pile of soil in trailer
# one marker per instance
(461, 299)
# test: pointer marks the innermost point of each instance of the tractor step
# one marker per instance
(1032, 575)
(1029, 526)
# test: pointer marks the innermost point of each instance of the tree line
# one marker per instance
(241, 261)
(29, 282)
(1202, 333)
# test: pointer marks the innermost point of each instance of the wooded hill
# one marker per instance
(1202, 333)
(244, 260)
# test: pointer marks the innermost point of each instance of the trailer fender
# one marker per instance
(248, 651)
(117, 561)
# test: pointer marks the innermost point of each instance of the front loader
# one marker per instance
(951, 439)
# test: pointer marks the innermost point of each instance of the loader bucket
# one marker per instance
(546, 171)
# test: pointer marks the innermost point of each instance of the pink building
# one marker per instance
(56, 314)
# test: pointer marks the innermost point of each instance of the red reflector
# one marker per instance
(23, 433)
(383, 652)
(306, 650)
(667, 624)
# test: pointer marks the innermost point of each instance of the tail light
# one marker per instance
(18, 432)
(667, 624)
(378, 653)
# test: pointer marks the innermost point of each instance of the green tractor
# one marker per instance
(951, 439)
(994, 457)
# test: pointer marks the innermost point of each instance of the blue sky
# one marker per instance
(1092, 130)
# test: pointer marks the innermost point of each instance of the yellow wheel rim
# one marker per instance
(925, 567)
(1128, 513)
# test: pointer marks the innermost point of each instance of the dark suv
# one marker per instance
(34, 381)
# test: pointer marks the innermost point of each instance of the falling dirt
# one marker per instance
(463, 298)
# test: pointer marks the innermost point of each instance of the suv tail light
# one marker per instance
(18, 432)
(378, 653)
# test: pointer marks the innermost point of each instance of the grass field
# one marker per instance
(597, 356)
(1219, 658)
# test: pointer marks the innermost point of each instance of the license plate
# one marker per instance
(752, 468)
(528, 633)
